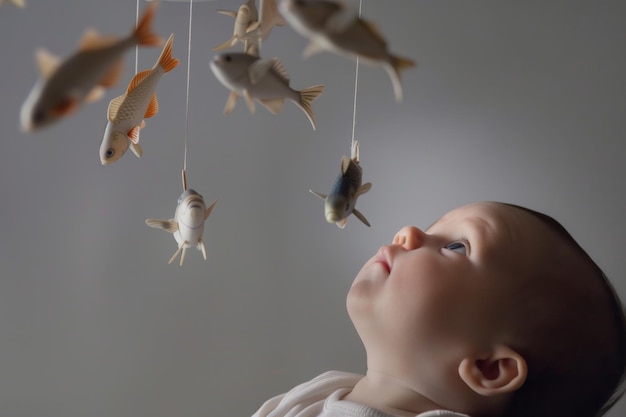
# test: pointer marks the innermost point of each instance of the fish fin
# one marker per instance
(345, 164)
(363, 189)
(251, 48)
(136, 148)
(270, 17)
(143, 124)
(320, 195)
(95, 94)
(165, 60)
(137, 78)
(311, 49)
(306, 98)
(398, 64)
(253, 30)
(133, 134)
(342, 223)
(143, 32)
(228, 13)
(153, 107)
(114, 106)
(230, 102)
(280, 70)
(274, 105)
(200, 246)
(47, 62)
(209, 209)
(259, 69)
(180, 248)
(230, 42)
(112, 77)
(249, 101)
(168, 225)
(93, 40)
(375, 31)
(361, 217)
(340, 20)
(66, 107)
(183, 253)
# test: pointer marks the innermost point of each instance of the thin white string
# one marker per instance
(188, 76)
(356, 85)
(137, 46)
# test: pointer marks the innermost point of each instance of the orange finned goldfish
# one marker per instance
(330, 26)
(126, 112)
(263, 79)
(65, 85)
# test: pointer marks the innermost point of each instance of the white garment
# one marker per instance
(321, 397)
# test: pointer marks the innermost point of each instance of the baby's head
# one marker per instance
(494, 310)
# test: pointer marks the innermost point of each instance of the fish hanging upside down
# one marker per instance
(341, 201)
(331, 26)
(265, 80)
(98, 64)
(126, 112)
(187, 224)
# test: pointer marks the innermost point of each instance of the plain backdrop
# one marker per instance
(516, 101)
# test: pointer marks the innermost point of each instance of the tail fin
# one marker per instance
(165, 60)
(398, 64)
(143, 33)
(306, 97)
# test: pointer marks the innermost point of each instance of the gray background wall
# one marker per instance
(514, 101)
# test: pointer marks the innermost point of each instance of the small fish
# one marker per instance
(18, 3)
(265, 80)
(187, 224)
(250, 26)
(98, 64)
(341, 201)
(331, 26)
(126, 112)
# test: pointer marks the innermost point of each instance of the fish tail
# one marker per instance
(306, 98)
(398, 64)
(165, 60)
(143, 33)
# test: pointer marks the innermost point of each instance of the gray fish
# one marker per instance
(331, 26)
(265, 80)
(341, 201)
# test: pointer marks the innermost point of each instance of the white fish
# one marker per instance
(18, 3)
(65, 85)
(265, 80)
(341, 201)
(331, 26)
(126, 112)
(250, 26)
(187, 224)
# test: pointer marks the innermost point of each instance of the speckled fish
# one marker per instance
(331, 26)
(98, 64)
(18, 3)
(187, 224)
(341, 201)
(265, 80)
(126, 112)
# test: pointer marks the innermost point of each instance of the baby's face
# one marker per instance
(439, 294)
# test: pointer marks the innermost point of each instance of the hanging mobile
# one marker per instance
(341, 202)
(191, 211)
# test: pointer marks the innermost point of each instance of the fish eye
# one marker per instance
(227, 58)
(110, 152)
(459, 247)
(39, 116)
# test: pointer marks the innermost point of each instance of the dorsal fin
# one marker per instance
(139, 77)
(93, 40)
(280, 70)
(375, 31)
(114, 106)
(47, 63)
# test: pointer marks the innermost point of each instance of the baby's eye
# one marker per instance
(458, 247)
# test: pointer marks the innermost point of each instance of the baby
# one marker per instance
(495, 310)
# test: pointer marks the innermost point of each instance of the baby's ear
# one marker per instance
(501, 372)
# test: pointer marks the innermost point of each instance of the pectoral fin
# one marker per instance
(168, 225)
(345, 164)
(133, 135)
(228, 13)
(320, 195)
(249, 101)
(226, 44)
(208, 211)
(363, 189)
(230, 102)
(136, 148)
(361, 217)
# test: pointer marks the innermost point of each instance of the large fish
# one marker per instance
(265, 80)
(331, 26)
(341, 201)
(126, 112)
(65, 85)
(187, 224)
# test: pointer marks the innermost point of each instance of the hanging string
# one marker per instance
(137, 46)
(187, 98)
(356, 85)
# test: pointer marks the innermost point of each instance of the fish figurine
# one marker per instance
(250, 26)
(187, 224)
(126, 112)
(332, 26)
(341, 201)
(18, 3)
(82, 77)
(265, 80)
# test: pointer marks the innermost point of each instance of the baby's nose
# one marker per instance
(409, 237)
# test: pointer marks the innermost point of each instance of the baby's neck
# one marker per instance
(389, 394)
